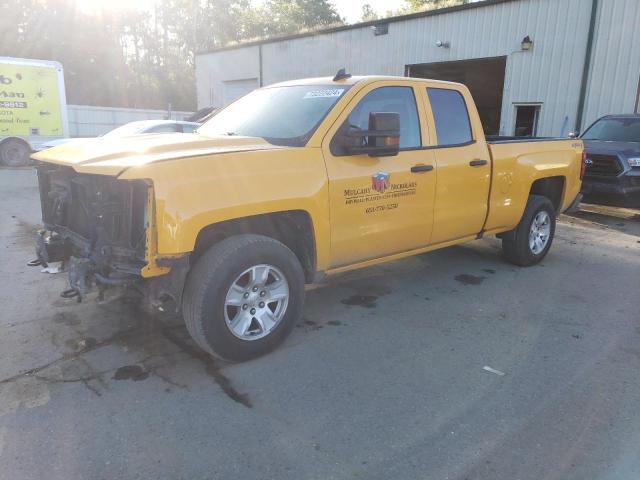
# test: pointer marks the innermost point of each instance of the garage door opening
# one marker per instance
(483, 76)
(234, 89)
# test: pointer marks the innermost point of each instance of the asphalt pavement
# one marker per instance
(383, 378)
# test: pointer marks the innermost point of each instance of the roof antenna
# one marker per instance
(341, 75)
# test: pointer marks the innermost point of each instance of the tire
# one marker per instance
(517, 244)
(216, 325)
(14, 153)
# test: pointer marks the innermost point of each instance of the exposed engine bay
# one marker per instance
(95, 224)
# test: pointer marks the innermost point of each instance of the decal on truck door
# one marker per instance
(380, 182)
(381, 189)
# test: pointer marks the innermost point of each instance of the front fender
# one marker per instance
(194, 193)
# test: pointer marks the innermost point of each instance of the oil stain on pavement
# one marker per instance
(311, 324)
(211, 367)
(131, 372)
(366, 295)
(366, 301)
(467, 279)
(156, 342)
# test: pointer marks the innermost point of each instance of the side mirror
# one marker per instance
(574, 134)
(382, 139)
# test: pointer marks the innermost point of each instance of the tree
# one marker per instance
(220, 22)
(277, 17)
(144, 58)
(417, 5)
(368, 13)
(87, 47)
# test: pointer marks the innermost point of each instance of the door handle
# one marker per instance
(421, 168)
(477, 162)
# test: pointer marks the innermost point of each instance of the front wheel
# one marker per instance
(243, 297)
(530, 241)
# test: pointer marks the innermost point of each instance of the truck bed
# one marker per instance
(516, 163)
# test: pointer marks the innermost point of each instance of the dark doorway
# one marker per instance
(526, 120)
(483, 76)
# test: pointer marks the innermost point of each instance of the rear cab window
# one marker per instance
(451, 117)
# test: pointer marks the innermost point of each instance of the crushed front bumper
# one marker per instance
(99, 227)
(85, 275)
(84, 272)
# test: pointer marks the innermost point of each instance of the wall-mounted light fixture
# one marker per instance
(442, 44)
(526, 44)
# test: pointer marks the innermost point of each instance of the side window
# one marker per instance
(451, 116)
(165, 128)
(391, 99)
(186, 128)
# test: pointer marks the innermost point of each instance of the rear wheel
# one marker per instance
(243, 297)
(14, 153)
(530, 241)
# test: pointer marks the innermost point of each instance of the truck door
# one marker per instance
(378, 205)
(463, 164)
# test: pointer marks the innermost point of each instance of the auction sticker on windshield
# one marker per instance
(325, 93)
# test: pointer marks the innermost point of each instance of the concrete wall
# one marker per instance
(91, 121)
(550, 74)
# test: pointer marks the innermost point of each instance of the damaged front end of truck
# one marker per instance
(101, 229)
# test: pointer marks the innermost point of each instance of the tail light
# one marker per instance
(583, 164)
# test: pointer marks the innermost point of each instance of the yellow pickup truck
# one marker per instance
(289, 185)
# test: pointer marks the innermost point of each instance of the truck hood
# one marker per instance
(112, 156)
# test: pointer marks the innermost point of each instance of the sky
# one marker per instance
(351, 10)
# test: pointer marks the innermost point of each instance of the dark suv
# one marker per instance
(612, 165)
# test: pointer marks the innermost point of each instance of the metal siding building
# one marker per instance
(548, 78)
(614, 79)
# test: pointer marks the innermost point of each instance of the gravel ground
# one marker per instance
(383, 378)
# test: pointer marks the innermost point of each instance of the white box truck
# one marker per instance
(33, 107)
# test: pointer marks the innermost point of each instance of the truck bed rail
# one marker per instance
(507, 139)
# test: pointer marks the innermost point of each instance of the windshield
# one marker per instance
(614, 130)
(280, 115)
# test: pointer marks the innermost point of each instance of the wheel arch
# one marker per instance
(293, 228)
(552, 188)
